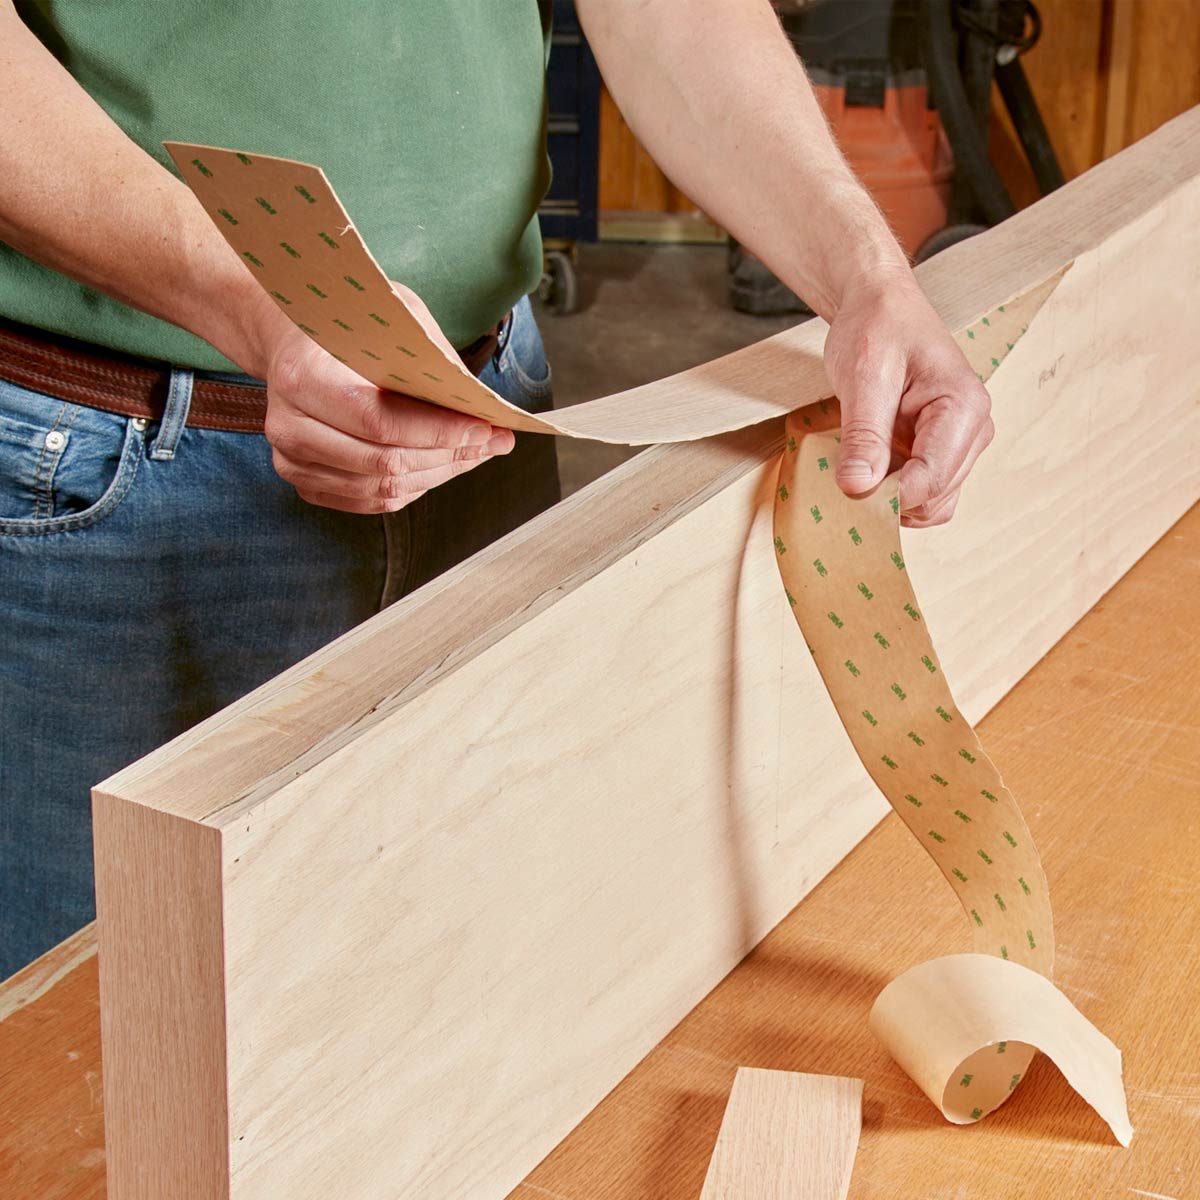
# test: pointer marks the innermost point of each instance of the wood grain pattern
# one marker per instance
(1100, 736)
(51, 1095)
(162, 1007)
(786, 1136)
(466, 907)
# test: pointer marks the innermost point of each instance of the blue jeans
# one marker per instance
(151, 574)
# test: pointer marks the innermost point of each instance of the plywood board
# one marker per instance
(478, 856)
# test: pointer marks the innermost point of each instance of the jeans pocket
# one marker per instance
(523, 372)
(63, 466)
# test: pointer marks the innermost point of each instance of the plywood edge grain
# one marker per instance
(162, 1002)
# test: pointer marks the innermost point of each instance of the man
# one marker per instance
(160, 555)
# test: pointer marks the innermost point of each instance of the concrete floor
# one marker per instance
(644, 312)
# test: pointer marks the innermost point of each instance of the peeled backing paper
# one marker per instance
(965, 1027)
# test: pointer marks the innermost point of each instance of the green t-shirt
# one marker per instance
(428, 116)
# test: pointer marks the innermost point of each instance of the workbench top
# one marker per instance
(1099, 743)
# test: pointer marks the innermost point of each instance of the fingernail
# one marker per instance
(857, 467)
(500, 443)
(477, 435)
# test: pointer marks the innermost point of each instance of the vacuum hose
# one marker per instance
(939, 49)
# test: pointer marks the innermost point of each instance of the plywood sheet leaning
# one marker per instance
(786, 1136)
(402, 916)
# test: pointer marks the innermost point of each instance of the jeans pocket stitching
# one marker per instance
(127, 468)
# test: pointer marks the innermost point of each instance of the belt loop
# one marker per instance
(175, 414)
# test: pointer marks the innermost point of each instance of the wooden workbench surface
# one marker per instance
(1099, 742)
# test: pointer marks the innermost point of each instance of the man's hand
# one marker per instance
(343, 443)
(905, 390)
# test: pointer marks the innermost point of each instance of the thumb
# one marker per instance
(866, 445)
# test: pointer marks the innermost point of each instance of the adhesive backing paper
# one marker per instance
(965, 1027)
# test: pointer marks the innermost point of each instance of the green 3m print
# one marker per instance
(965, 1081)
(280, 297)
(202, 168)
(819, 566)
(888, 761)
(941, 712)
(1029, 939)
(1000, 902)
(790, 598)
(358, 287)
(899, 691)
(816, 514)
(1008, 837)
(984, 855)
(244, 159)
(316, 291)
(914, 737)
(882, 640)
(928, 663)
(940, 781)
(1012, 1083)
(251, 258)
(780, 548)
(378, 319)
(897, 561)
(791, 444)
(290, 250)
(913, 801)
(895, 503)
(224, 212)
(912, 612)
(822, 464)
(976, 918)
(967, 755)
(1024, 886)
(976, 1113)
(265, 204)
(987, 795)
(869, 717)
(342, 325)
(783, 492)
(962, 816)
(937, 837)
(328, 240)
(855, 536)
(851, 668)
(866, 591)
(305, 193)
(958, 875)
(1001, 1047)
(835, 619)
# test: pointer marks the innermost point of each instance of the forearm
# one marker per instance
(83, 199)
(717, 95)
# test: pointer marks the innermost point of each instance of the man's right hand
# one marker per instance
(344, 443)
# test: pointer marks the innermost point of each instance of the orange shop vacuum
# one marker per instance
(906, 87)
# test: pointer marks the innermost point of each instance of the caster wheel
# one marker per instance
(559, 287)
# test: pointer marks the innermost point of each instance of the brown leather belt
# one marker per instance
(84, 374)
